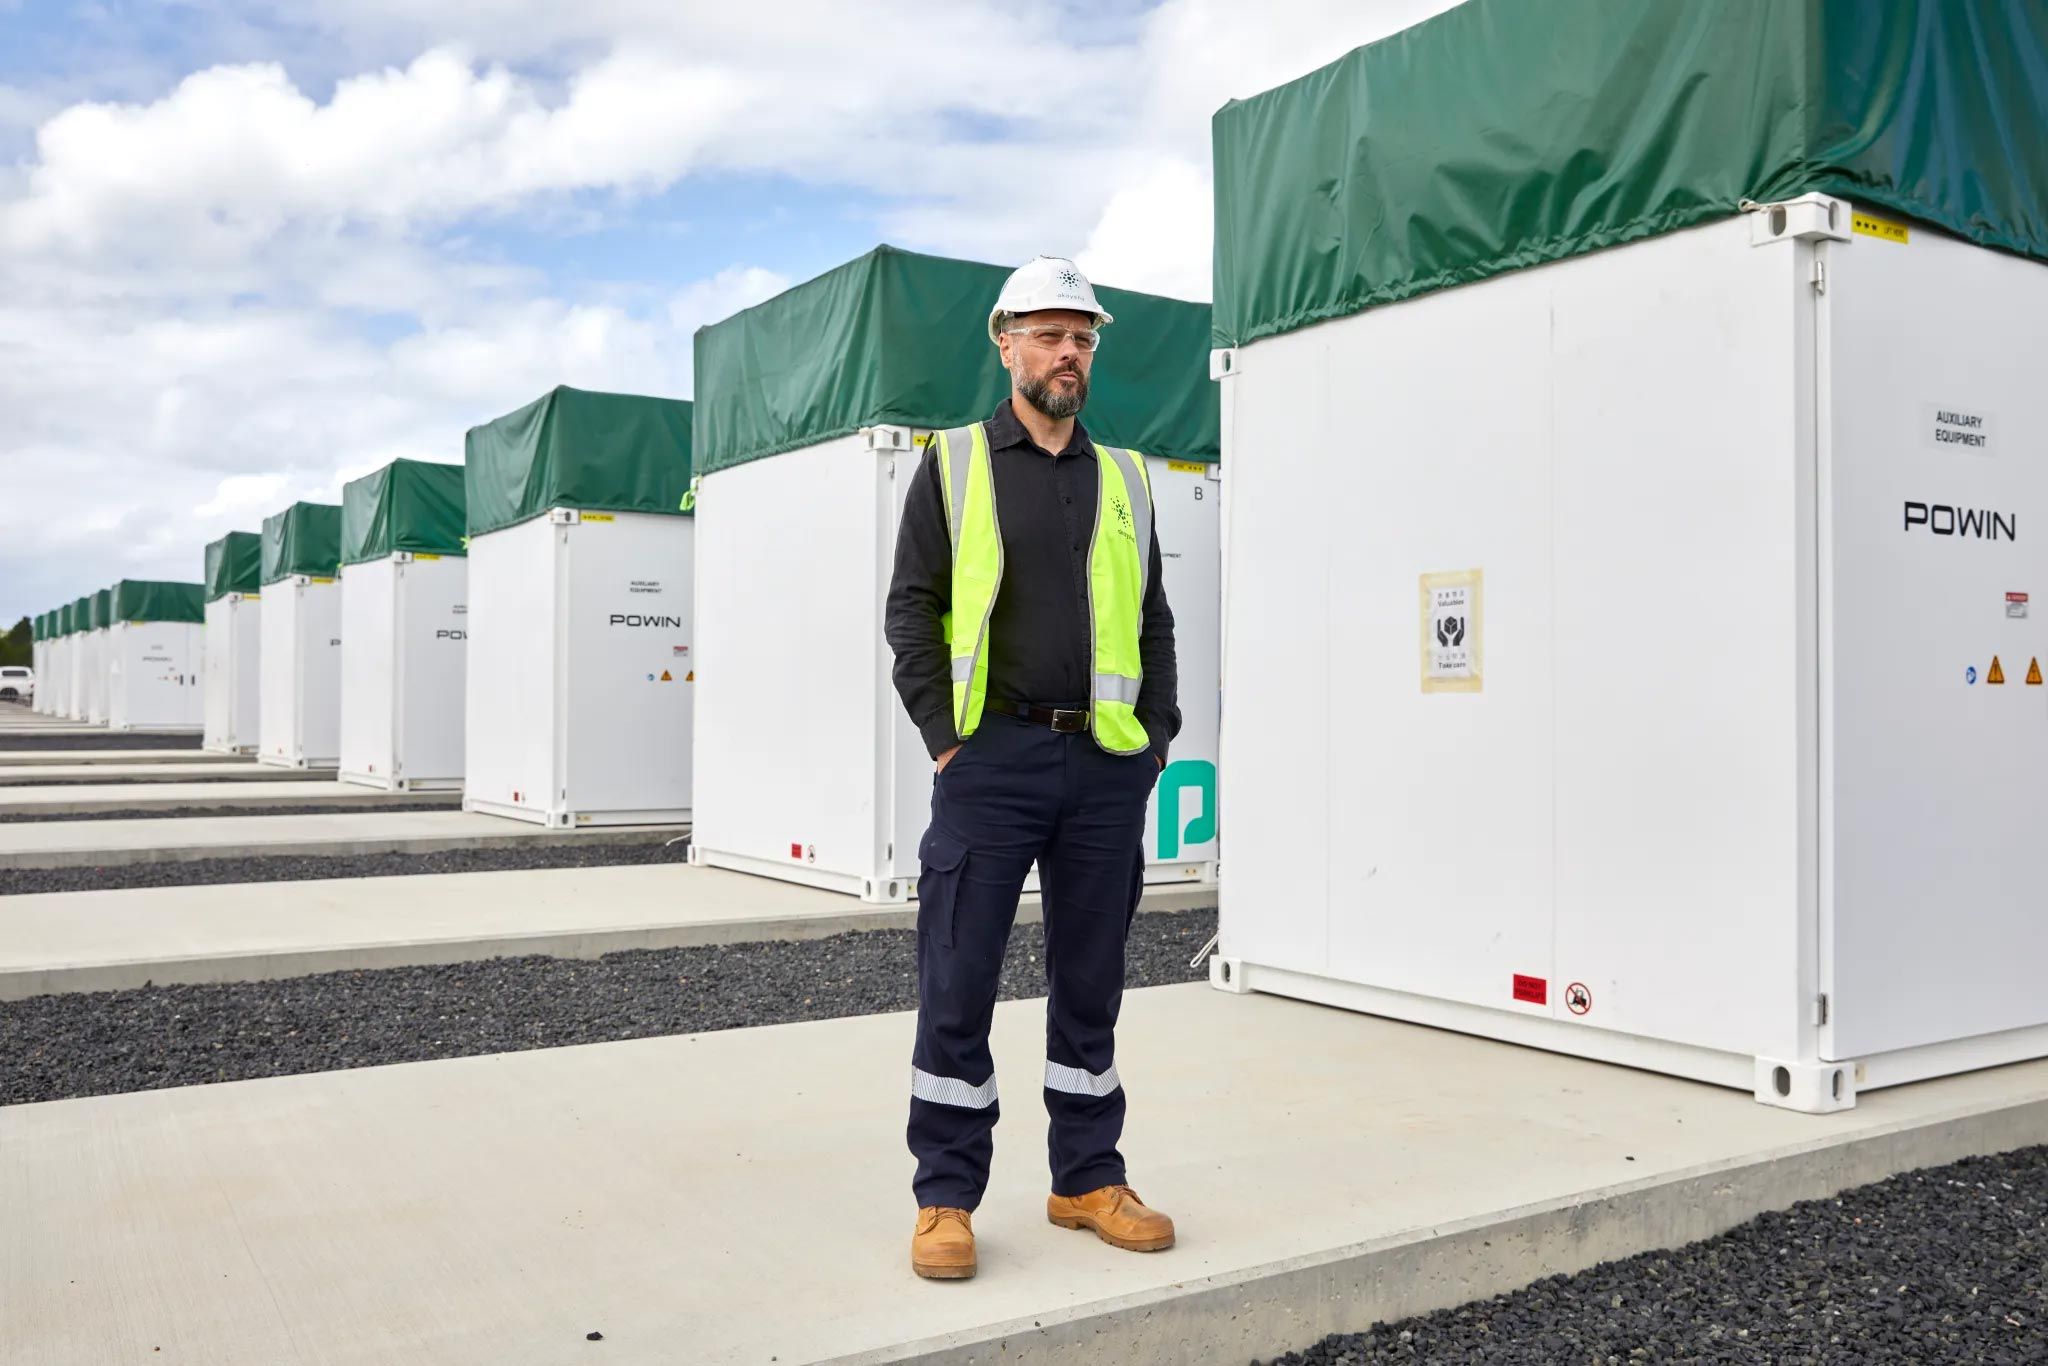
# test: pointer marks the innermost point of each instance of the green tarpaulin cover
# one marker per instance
(303, 539)
(64, 620)
(103, 609)
(234, 564)
(577, 449)
(895, 337)
(81, 614)
(35, 627)
(1506, 133)
(408, 505)
(155, 600)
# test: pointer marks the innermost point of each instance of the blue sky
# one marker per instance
(252, 248)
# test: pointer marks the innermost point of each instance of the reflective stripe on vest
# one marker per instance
(1119, 567)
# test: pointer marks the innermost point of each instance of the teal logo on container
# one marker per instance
(1180, 776)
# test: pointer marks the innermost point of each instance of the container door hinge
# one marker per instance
(889, 852)
(1820, 274)
(1820, 1009)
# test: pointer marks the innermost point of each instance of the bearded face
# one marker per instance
(1052, 378)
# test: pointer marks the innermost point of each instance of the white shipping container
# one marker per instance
(579, 691)
(51, 691)
(807, 766)
(93, 702)
(1633, 657)
(79, 706)
(39, 663)
(405, 618)
(153, 679)
(299, 696)
(232, 673)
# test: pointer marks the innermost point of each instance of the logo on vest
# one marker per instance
(1122, 509)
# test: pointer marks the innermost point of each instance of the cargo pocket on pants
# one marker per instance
(942, 859)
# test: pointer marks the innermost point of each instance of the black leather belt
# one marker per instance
(1062, 720)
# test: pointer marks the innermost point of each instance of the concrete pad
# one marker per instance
(46, 726)
(109, 844)
(104, 941)
(38, 757)
(74, 801)
(743, 1196)
(220, 772)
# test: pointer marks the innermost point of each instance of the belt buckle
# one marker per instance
(1069, 722)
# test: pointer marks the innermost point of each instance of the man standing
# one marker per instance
(1034, 652)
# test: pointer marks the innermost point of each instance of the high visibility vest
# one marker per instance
(1119, 564)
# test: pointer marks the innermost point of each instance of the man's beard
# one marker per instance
(1057, 404)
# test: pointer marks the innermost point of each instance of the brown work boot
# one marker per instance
(1118, 1217)
(942, 1249)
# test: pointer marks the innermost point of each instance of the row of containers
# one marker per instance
(1629, 553)
(623, 609)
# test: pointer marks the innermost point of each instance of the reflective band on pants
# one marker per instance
(1076, 1082)
(951, 1090)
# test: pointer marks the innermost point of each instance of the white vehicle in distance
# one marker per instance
(17, 684)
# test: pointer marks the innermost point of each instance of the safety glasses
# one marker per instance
(1047, 337)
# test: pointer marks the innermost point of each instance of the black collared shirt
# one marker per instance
(1038, 633)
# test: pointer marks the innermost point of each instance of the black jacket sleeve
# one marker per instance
(919, 594)
(1158, 706)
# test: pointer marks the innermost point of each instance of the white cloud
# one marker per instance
(237, 291)
(1154, 234)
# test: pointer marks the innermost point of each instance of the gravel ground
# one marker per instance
(300, 868)
(452, 803)
(95, 740)
(102, 1043)
(1944, 1265)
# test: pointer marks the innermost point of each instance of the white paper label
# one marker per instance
(1452, 622)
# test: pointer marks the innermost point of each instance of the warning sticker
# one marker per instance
(599, 517)
(1187, 466)
(1578, 999)
(2034, 673)
(1883, 229)
(2016, 605)
(667, 677)
(1453, 618)
(1997, 674)
(1532, 991)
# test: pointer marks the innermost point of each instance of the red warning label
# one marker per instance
(1533, 991)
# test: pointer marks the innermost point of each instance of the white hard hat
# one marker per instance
(1046, 282)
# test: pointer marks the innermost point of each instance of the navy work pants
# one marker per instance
(1018, 793)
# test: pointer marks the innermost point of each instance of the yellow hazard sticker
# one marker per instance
(924, 438)
(667, 677)
(1997, 674)
(418, 556)
(690, 677)
(319, 580)
(1870, 225)
(599, 517)
(1187, 466)
(2034, 673)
